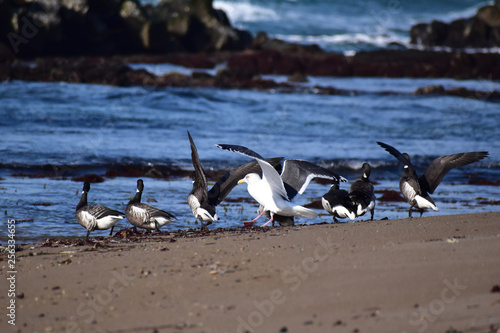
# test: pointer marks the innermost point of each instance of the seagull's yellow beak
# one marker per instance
(241, 181)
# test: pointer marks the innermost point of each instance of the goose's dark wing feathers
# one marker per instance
(153, 211)
(200, 180)
(401, 157)
(100, 211)
(440, 166)
(361, 191)
(394, 152)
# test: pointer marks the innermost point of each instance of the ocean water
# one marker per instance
(77, 129)
(343, 26)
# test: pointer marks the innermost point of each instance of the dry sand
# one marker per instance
(430, 274)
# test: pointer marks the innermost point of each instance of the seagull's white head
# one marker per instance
(250, 178)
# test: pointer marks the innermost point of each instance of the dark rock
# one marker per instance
(199, 27)
(274, 62)
(459, 92)
(390, 195)
(474, 179)
(490, 14)
(383, 63)
(189, 60)
(316, 204)
(415, 63)
(298, 77)
(396, 46)
(244, 69)
(107, 27)
(92, 178)
(6, 54)
(431, 34)
(136, 171)
(263, 42)
(439, 89)
(480, 31)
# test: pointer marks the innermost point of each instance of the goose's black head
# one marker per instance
(140, 185)
(335, 185)
(405, 155)
(83, 199)
(138, 193)
(366, 170)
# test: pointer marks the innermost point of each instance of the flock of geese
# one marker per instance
(275, 191)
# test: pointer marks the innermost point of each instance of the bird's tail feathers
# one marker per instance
(304, 212)
(425, 202)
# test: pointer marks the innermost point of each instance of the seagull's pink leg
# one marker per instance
(251, 223)
(271, 220)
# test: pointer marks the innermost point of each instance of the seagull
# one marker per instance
(361, 193)
(145, 216)
(338, 203)
(95, 217)
(274, 192)
(416, 190)
(202, 201)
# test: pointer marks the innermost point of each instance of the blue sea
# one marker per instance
(77, 129)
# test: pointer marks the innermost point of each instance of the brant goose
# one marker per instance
(416, 190)
(338, 203)
(361, 193)
(145, 216)
(94, 217)
(275, 192)
(202, 202)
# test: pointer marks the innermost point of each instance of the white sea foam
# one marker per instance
(348, 42)
(464, 13)
(245, 11)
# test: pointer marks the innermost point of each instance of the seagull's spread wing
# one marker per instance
(272, 177)
(297, 175)
(226, 183)
(441, 165)
(240, 150)
(269, 174)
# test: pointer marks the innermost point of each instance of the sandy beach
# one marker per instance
(430, 274)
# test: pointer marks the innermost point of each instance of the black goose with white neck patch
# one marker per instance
(143, 215)
(94, 217)
(416, 189)
(362, 194)
(338, 203)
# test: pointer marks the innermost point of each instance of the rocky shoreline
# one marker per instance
(479, 31)
(244, 70)
(60, 40)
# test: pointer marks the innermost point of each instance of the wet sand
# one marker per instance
(430, 274)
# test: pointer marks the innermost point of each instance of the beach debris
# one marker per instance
(66, 261)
